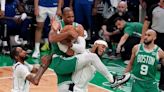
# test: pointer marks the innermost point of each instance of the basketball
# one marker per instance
(69, 28)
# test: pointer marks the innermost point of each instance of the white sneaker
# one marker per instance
(36, 54)
(17, 40)
(126, 62)
(120, 80)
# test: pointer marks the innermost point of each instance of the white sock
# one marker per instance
(37, 46)
(46, 40)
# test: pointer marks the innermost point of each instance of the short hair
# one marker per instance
(67, 9)
(118, 18)
(153, 31)
(123, 2)
(14, 53)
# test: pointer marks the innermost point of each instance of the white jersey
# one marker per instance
(82, 77)
(20, 72)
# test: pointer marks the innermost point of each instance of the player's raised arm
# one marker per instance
(55, 35)
(46, 60)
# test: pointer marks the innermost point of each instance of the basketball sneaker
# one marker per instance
(36, 54)
(118, 80)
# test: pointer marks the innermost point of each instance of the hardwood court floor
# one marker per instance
(47, 83)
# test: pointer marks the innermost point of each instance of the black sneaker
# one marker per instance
(118, 80)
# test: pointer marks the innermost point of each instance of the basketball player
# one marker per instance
(65, 65)
(81, 77)
(76, 62)
(22, 70)
(143, 63)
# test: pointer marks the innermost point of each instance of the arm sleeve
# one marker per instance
(3, 5)
(79, 47)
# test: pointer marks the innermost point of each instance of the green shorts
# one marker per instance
(144, 86)
(64, 65)
(67, 78)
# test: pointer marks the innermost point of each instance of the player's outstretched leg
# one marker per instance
(91, 58)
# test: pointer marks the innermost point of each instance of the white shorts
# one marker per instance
(63, 87)
(44, 12)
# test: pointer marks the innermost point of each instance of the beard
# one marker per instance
(96, 51)
(120, 13)
(147, 42)
(25, 58)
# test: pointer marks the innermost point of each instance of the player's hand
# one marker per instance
(80, 30)
(142, 40)
(54, 24)
(118, 49)
(73, 34)
(93, 49)
(70, 52)
(106, 33)
(45, 60)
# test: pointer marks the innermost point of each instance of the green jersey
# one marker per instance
(54, 47)
(133, 29)
(62, 24)
(145, 63)
(63, 65)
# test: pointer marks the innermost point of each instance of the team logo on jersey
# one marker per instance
(154, 54)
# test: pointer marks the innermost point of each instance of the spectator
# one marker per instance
(110, 32)
(43, 8)
(148, 3)
(98, 15)
(133, 6)
(14, 24)
(83, 14)
(28, 6)
(132, 33)
(145, 6)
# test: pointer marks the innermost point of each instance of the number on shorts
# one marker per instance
(144, 69)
